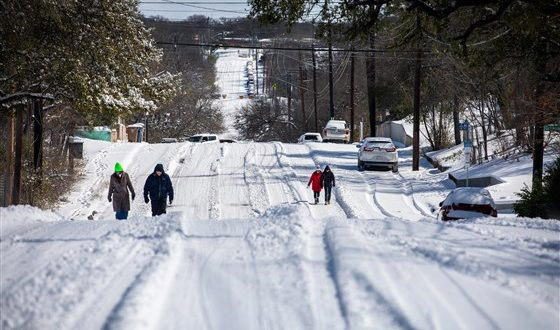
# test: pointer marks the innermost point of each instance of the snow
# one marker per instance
(290, 267)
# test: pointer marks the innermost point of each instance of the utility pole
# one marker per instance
(331, 87)
(302, 91)
(38, 136)
(9, 175)
(315, 88)
(352, 97)
(19, 153)
(264, 73)
(289, 92)
(371, 88)
(257, 71)
(416, 119)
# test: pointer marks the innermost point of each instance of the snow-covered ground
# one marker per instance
(242, 247)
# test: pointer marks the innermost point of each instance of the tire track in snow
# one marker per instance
(259, 198)
(364, 305)
(140, 306)
(393, 196)
(214, 210)
(74, 280)
(408, 190)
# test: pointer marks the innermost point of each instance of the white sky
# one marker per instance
(182, 9)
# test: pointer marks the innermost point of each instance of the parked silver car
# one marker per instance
(378, 151)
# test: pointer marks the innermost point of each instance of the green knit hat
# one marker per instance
(118, 167)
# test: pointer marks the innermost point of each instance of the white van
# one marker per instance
(336, 131)
(204, 138)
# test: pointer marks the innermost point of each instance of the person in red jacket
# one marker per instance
(316, 183)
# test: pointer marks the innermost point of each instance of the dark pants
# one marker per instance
(158, 206)
(121, 215)
(316, 195)
(328, 190)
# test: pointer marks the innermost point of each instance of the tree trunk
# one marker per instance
(416, 119)
(16, 192)
(38, 137)
(9, 174)
(456, 121)
(483, 126)
(331, 83)
(538, 141)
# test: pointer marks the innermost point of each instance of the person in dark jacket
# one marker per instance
(315, 183)
(327, 181)
(119, 186)
(157, 188)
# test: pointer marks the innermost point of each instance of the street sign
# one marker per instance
(464, 125)
(552, 128)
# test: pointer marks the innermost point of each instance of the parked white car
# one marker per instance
(204, 138)
(378, 151)
(336, 131)
(310, 137)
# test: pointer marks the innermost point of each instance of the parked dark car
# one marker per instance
(464, 203)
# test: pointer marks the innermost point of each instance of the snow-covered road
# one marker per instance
(243, 248)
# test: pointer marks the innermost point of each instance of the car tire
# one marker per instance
(361, 166)
(395, 168)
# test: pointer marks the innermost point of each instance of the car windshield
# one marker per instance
(311, 137)
(195, 138)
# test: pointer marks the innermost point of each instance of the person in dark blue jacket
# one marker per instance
(157, 188)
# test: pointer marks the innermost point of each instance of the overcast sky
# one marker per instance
(182, 9)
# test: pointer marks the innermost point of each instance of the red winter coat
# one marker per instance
(315, 181)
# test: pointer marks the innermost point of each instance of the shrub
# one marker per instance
(543, 200)
(532, 203)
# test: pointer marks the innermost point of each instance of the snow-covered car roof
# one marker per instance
(316, 134)
(378, 139)
(336, 123)
(470, 196)
(204, 134)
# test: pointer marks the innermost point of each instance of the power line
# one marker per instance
(203, 7)
(186, 11)
(193, 3)
(345, 50)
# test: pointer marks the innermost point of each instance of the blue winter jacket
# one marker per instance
(158, 187)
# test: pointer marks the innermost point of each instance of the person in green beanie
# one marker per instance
(119, 188)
